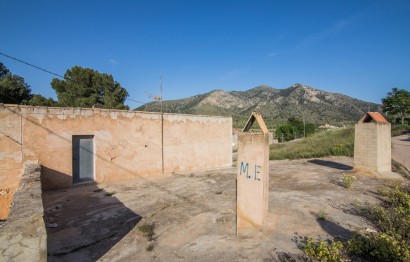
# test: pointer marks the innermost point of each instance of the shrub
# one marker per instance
(331, 251)
(380, 247)
(342, 150)
(321, 215)
(392, 241)
(348, 180)
(148, 230)
(400, 130)
(392, 220)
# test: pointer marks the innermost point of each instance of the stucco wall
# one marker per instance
(126, 143)
(10, 141)
(373, 146)
(10, 157)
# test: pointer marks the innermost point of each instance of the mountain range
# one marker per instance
(300, 101)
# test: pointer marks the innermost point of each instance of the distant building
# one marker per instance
(327, 126)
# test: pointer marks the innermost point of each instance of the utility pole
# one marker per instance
(159, 98)
(304, 127)
(162, 122)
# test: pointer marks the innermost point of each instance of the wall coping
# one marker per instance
(99, 110)
(23, 236)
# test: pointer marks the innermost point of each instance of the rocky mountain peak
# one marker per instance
(315, 105)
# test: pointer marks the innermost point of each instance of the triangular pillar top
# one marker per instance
(258, 117)
(373, 117)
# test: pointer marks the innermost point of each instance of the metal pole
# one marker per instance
(162, 125)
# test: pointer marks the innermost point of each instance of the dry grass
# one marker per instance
(339, 142)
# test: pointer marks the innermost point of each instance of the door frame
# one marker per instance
(73, 138)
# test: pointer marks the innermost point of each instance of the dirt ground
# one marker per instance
(401, 149)
(195, 214)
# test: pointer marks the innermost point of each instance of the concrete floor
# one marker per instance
(195, 214)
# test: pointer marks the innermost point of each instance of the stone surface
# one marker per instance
(195, 214)
(23, 236)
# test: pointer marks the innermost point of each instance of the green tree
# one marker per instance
(13, 88)
(397, 102)
(284, 132)
(39, 100)
(85, 87)
(294, 128)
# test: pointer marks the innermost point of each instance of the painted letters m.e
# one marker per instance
(257, 171)
(245, 169)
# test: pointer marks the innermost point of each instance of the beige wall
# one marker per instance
(10, 147)
(11, 157)
(373, 146)
(126, 143)
(252, 180)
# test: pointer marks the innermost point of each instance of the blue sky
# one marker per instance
(358, 48)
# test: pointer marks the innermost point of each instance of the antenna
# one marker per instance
(160, 90)
(162, 121)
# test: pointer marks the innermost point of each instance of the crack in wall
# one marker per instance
(14, 140)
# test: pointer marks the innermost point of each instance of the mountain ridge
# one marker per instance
(298, 100)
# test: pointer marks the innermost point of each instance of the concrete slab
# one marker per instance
(195, 214)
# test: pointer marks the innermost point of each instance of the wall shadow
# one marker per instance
(338, 232)
(52, 179)
(407, 138)
(84, 222)
(331, 164)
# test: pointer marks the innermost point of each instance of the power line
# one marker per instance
(135, 101)
(21, 61)
(47, 71)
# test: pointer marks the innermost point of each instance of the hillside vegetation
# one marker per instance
(400, 130)
(337, 142)
(275, 105)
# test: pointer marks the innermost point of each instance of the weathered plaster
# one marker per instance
(126, 143)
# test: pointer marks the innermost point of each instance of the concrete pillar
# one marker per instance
(372, 147)
(252, 177)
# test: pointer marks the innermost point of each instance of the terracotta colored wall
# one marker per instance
(10, 157)
(126, 143)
